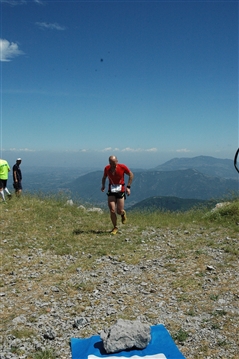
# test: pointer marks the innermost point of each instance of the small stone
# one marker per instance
(55, 289)
(80, 322)
(50, 335)
(210, 268)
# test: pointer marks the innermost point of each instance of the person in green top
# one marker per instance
(4, 169)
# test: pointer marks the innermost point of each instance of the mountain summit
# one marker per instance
(211, 166)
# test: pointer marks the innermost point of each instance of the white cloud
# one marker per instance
(154, 149)
(14, 2)
(183, 150)
(107, 149)
(21, 149)
(90, 151)
(8, 50)
(51, 26)
(19, 2)
(128, 149)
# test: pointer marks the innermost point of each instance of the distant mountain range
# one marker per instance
(179, 178)
(170, 204)
(211, 166)
(181, 183)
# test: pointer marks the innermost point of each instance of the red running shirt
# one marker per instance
(118, 176)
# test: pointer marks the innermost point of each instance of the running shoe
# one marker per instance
(123, 217)
(114, 230)
(9, 196)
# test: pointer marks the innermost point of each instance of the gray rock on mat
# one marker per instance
(126, 334)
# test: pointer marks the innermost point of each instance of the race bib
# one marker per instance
(116, 188)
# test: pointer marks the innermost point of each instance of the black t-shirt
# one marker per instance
(16, 169)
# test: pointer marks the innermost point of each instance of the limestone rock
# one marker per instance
(220, 205)
(95, 209)
(126, 334)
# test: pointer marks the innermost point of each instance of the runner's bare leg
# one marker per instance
(120, 206)
(112, 206)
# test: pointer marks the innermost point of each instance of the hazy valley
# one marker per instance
(200, 178)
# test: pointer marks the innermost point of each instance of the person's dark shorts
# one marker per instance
(3, 183)
(17, 186)
(117, 195)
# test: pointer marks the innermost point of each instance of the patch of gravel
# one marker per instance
(42, 309)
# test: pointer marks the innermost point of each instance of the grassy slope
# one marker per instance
(35, 224)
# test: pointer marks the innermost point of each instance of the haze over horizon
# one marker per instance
(95, 161)
(146, 81)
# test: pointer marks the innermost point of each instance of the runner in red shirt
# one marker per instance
(116, 191)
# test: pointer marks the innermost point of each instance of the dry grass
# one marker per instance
(184, 242)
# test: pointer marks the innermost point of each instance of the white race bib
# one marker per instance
(115, 188)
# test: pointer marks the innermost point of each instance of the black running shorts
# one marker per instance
(116, 194)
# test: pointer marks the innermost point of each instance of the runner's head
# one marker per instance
(113, 161)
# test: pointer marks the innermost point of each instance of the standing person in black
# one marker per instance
(17, 177)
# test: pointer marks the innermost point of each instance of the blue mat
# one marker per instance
(161, 346)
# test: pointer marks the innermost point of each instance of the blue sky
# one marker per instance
(145, 80)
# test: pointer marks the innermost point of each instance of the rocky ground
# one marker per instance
(47, 299)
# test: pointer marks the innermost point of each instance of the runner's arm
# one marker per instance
(131, 176)
(15, 176)
(103, 183)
